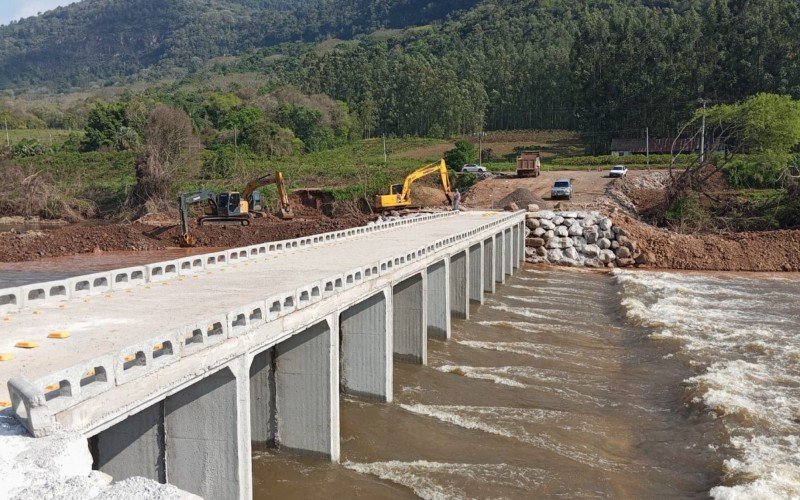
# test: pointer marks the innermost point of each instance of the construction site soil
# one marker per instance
(623, 199)
(162, 232)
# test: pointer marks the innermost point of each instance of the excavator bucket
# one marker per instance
(286, 214)
(187, 240)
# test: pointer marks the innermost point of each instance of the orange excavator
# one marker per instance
(399, 195)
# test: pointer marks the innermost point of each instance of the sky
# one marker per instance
(16, 9)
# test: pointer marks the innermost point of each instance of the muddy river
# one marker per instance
(575, 384)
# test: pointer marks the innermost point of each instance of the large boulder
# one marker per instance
(532, 223)
(557, 220)
(603, 243)
(538, 232)
(571, 253)
(562, 231)
(549, 235)
(533, 207)
(564, 242)
(575, 230)
(546, 223)
(591, 251)
(534, 242)
(546, 214)
(604, 223)
(555, 255)
(623, 253)
(590, 233)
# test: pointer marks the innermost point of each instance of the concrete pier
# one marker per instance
(177, 382)
(499, 259)
(459, 285)
(307, 391)
(410, 322)
(476, 272)
(489, 282)
(366, 338)
(439, 300)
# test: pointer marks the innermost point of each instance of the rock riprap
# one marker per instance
(578, 239)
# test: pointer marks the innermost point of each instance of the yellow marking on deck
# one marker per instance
(27, 344)
(5, 404)
(129, 357)
(52, 387)
(58, 335)
(6, 356)
(158, 347)
(90, 373)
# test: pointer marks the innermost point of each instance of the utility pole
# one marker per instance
(703, 134)
(8, 139)
(384, 151)
(647, 144)
(480, 147)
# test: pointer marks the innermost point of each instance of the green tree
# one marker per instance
(103, 126)
(463, 153)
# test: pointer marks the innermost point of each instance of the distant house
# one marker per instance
(624, 147)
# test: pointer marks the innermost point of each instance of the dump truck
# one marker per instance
(529, 164)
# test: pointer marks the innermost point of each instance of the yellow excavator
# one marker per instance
(232, 207)
(399, 195)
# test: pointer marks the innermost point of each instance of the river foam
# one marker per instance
(740, 335)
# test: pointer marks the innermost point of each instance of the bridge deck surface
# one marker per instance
(106, 324)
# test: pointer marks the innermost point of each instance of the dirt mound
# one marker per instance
(83, 238)
(522, 197)
(427, 196)
(746, 251)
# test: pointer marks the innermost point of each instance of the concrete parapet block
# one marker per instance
(190, 265)
(257, 251)
(215, 260)
(237, 255)
(162, 271)
(353, 278)
(142, 358)
(205, 333)
(386, 266)
(30, 406)
(90, 284)
(280, 305)
(10, 300)
(128, 277)
(308, 294)
(244, 319)
(371, 272)
(43, 293)
(66, 388)
(332, 285)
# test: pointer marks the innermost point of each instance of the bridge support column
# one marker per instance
(439, 300)
(263, 409)
(476, 285)
(508, 253)
(202, 434)
(307, 390)
(499, 259)
(515, 239)
(459, 285)
(521, 243)
(133, 447)
(410, 321)
(365, 332)
(488, 266)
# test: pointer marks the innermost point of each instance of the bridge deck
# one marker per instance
(105, 324)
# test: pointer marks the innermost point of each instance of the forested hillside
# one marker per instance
(418, 67)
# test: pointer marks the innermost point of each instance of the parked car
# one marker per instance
(618, 171)
(471, 167)
(561, 189)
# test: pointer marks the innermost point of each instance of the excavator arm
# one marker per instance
(403, 198)
(184, 202)
(277, 179)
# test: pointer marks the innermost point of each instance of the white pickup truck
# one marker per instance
(618, 171)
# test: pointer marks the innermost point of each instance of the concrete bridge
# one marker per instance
(174, 369)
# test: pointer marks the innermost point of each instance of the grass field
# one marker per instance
(49, 137)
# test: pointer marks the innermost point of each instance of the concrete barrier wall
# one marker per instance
(90, 379)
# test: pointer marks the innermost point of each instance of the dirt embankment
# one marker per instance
(161, 233)
(622, 199)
